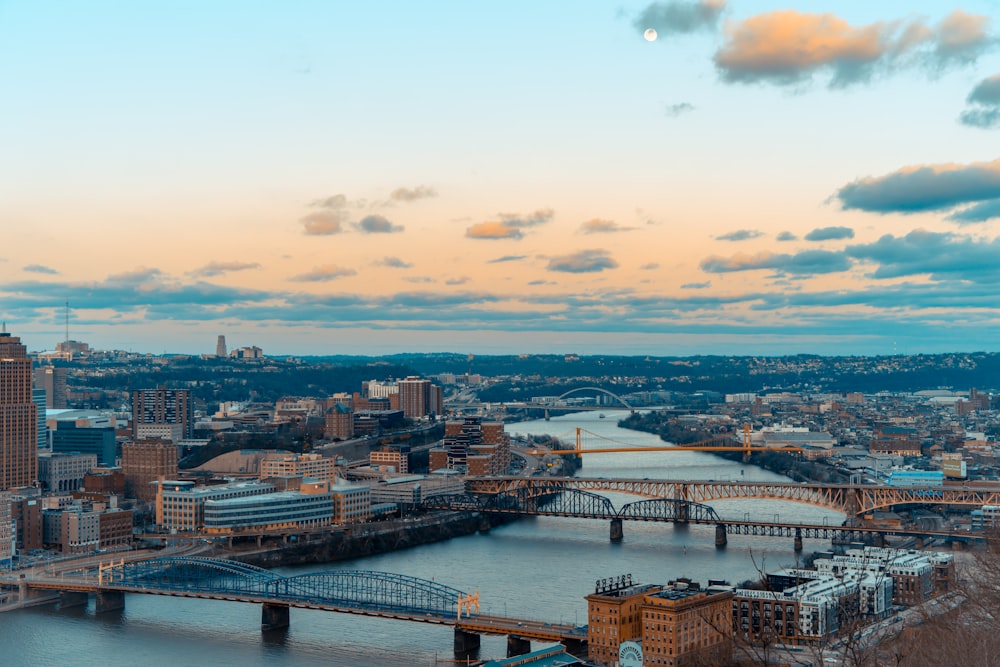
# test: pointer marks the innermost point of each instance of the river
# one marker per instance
(538, 567)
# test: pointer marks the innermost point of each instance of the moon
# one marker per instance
(649, 35)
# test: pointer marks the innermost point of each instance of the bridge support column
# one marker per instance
(517, 646)
(109, 601)
(466, 644)
(273, 617)
(617, 530)
(69, 599)
(798, 540)
(484, 523)
(683, 513)
(721, 539)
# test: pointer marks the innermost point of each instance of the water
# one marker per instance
(539, 567)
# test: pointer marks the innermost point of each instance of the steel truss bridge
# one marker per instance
(369, 593)
(852, 500)
(684, 502)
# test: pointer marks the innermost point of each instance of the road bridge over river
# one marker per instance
(368, 593)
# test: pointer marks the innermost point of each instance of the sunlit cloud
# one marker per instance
(216, 268)
(138, 275)
(323, 274)
(941, 256)
(923, 188)
(461, 280)
(419, 279)
(323, 223)
(830, 234)
(649, 267)
(585, 261)
(493, 231)
(704, 285)
(507, 258)
(786, 236)
(788, 47)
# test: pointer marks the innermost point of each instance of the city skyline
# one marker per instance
(318, 178)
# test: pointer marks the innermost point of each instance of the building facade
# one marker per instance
(145, 462)
(18, 416)
(154, 411)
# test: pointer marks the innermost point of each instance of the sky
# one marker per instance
(670, 178)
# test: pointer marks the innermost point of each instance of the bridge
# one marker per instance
(368, 593)
(685, 502)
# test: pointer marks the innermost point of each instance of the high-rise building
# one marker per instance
(145, 462)
(18, 416)
(418, 397)
(220, 347)
(162, 413)
(53, 380)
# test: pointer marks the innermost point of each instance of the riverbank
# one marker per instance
(359, 541)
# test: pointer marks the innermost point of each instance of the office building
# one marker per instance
(7, 534)
(314, 466)
(64, 473)
(52, 380)
(145, 462)
(311, 506)
(162, 413)
(18, 416)
(69, 436)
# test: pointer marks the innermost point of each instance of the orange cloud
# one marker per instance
(493, 230)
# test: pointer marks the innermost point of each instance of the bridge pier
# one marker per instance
(517, 646)
(273, 617)
(617, 530)
(721, 539)
(68, 599)
(106, 601)
(682, 513)
(466, 644)
(484, 523)
(797, 544)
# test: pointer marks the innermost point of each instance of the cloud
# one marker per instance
(704, 285)
(585, 261)
(38, 268)
(539, 217)
(649, 267)
(940, 255)
(981, 212)
(323, 274)
(457, 281)
(830, 234)
(216, 268)
(414, 194)
(985, 101)
(677, 17)
(740, 235)
(377, 224)
(493, 231)
(675, 110)
(788, 47)
(809, 262)
(786, 236)
(138, 275)
(598, 226)
(419, 279)
(394, 263)
(323, 223)
(923, 188)
(507, 258)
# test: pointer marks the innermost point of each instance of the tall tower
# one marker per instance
(18, 416)
(162, 413)
(220, 347)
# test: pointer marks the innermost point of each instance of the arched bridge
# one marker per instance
(853, 501)
(600, 391)
(557, 500)
(343, 590)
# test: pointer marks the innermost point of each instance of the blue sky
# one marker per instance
(326, 177)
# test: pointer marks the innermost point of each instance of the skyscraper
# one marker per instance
(18, 416)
